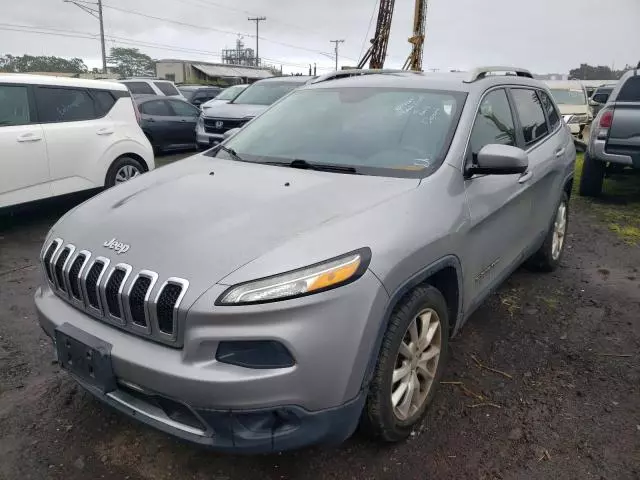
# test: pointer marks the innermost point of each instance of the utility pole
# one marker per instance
(257, 20)
(90, 8)
(337, 42)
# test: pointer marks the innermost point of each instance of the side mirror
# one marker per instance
(230, 133)
(496, 159)
(593, 103)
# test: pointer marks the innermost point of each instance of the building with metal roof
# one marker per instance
(185, 71)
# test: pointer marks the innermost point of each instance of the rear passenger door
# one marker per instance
(499, 205)
(78, 135)
(547, 144)
(24, 171)
(157, 118)
(185, 118)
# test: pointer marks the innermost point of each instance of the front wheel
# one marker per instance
(123, 170)
(410, 365)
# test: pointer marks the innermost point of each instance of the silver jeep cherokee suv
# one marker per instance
(306, 275)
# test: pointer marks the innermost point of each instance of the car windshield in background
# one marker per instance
(187, 93)
(167, 88)
(231, 92)
(140, 88)
(378, 131)
(265, 93)
(564, 96)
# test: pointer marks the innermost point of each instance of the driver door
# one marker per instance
(500, 206)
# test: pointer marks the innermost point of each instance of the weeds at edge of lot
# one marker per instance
(619, 206)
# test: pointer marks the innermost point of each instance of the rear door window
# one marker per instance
(494, 122)
(183, 109)
(104, 101)
(14, 105)
(140, 88)
(167, 88)
(549, 107)
(630, 91)
(532, 120)
(64, 105)
(158, 108)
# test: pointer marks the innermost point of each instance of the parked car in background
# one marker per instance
(599, 98)
(571, 98)
(614, 141)
(198, 94)
(306, 275)
(225, 96)
(254, 100)
(152, 86)
(63, 135)
(168, 123)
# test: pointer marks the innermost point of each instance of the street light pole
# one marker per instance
(337, 43)
(89, 7)
(257, 20)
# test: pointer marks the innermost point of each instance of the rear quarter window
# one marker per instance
(104, 101)
(167, 88)
(140, 88)
(630, 91)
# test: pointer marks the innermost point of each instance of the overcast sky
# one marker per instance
(546, 36)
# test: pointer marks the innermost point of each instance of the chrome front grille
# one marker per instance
(115, 294)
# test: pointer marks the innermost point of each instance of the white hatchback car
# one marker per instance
(61, 135)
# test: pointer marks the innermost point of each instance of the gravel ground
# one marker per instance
(560, 397)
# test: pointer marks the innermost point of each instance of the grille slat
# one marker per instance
(59, 266)
(92, 284)
(113, 292)
(167, 301)
(74, 271)
(137, 300)
(47, 259)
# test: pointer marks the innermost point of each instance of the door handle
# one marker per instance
(105, 131)
(560, 152)
(29, 137)
(183, 121)
(150, 119)
(525, 177)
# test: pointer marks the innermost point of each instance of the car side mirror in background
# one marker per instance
(496, 159)
(230, 133)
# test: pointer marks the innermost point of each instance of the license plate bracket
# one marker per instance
(85, 356)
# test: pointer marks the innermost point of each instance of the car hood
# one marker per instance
(203, 218)
(213, 103)
(234, 110)
(573, 109)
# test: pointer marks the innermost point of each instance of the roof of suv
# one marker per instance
(62, 81)
(455, 81)
(288, 78)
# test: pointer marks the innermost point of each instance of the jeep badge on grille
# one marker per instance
(119, 247)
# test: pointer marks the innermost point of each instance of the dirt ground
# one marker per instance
(560, 397)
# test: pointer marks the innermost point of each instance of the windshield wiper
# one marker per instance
(321, 167)
(232, 153)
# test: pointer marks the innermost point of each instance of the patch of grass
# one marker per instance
(619, 206)
(550, 302)
(511, 300)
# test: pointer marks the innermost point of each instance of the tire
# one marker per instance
(122, 164)
(380, 419)
(592, 177)
(547, 258)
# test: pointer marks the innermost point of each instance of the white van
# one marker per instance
(152, 86)
(572, 100)
(62, 135)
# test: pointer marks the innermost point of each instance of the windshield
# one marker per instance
(265, 93)
(379, 131)
(566, 96)
(231, 92)
(187, 92)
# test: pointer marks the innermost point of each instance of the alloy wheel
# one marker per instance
(416, 364)
(559, 231)
(126, 172)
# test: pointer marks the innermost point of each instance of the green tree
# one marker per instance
(130, 62)
(28, 63)
(600, 72)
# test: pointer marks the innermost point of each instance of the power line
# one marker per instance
(94, 9)
(257, 20)
(366, 35)
(201, 27)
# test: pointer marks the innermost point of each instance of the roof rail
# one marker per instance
(481, 72)
(354, 72)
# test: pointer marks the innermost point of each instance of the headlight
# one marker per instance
(578, 119)
(305, 281)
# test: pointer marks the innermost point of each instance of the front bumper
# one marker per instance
(206, 140)
(331, 335)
